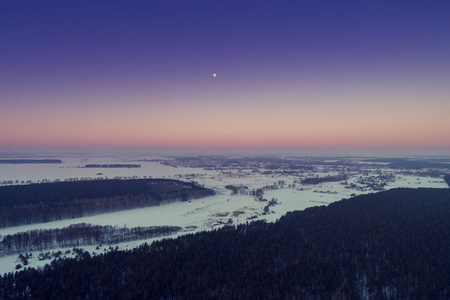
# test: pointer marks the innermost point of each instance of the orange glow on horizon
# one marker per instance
(237, 123)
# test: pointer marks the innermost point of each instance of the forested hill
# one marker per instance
(35, 203)
(389, 245)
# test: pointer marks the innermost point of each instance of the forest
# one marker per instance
(30, 161)
(388, 245)
(414, 164)
(44, 202)
(78, 235)
(112, 166)
(317, 180)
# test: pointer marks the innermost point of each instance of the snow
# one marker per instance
(196, 215)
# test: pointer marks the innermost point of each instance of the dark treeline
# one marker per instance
(112, 166)
(389, 245)
(30, 161)
(78, 235)
(36, 203)
(416, 164)
(317, 180)
(447, 179)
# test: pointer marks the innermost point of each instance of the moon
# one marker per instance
(214, 75)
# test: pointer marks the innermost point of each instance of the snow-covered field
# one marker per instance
(201, 214)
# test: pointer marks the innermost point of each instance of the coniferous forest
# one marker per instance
(44, 202)
(388, 245)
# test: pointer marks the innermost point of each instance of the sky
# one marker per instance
(292, 77)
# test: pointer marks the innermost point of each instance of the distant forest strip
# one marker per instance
(417, 164)
(317, 180)
(112, 166)
(388, 245)
(78, 235)
(30, 161)
(44, 202)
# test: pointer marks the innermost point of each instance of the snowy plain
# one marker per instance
(196, 215)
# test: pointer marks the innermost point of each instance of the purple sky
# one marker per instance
(292, 76)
